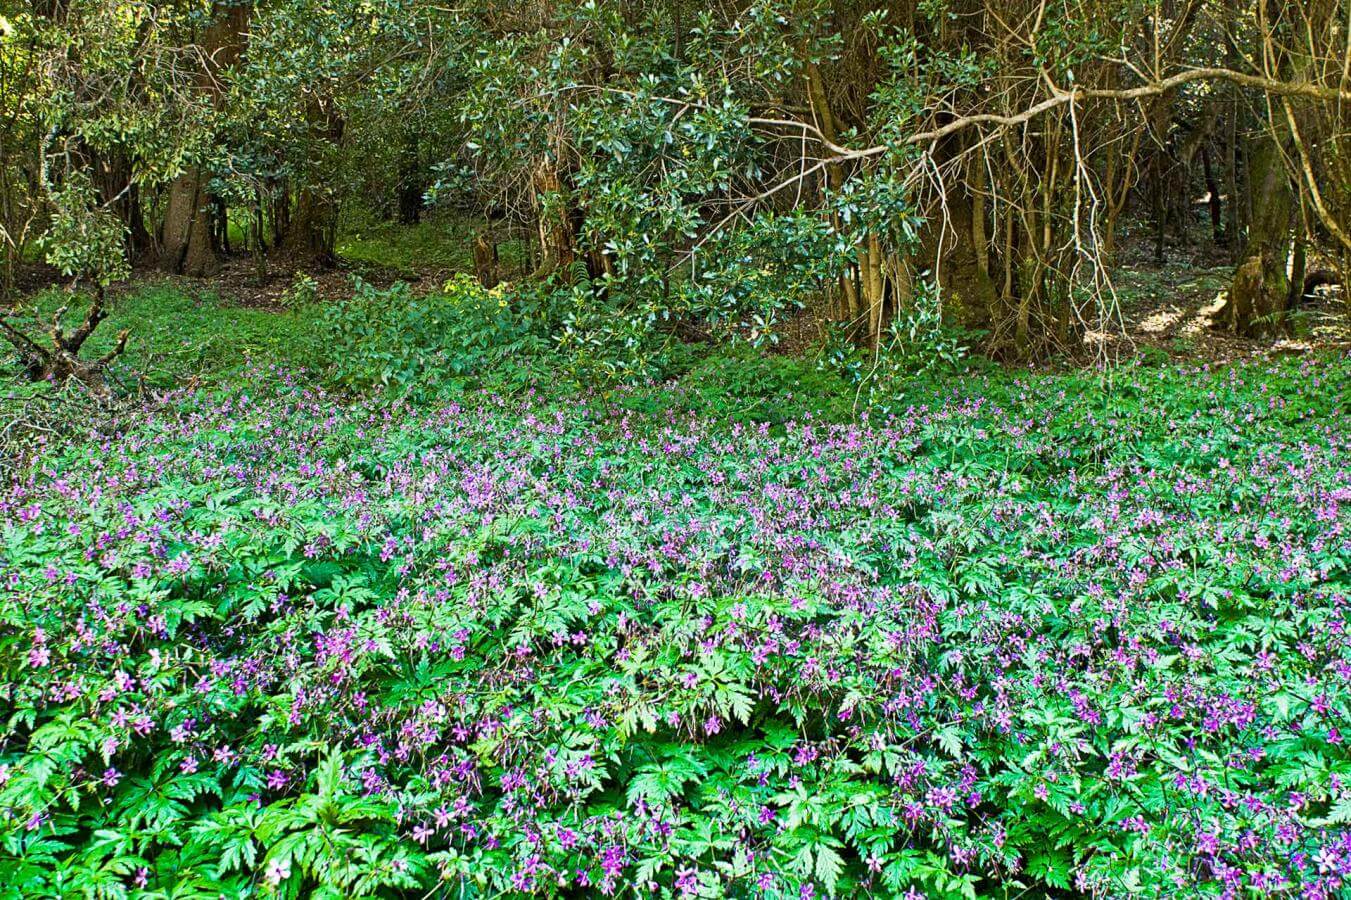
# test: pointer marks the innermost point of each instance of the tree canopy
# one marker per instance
(965, 162)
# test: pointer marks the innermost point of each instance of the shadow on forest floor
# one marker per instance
(1176, 309)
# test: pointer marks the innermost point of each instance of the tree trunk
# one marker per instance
(1213, 199)
(1233, 227)
(485, 259)
(186, 244)
(1299, 264)
(311, 232)
(185, 238)
(969, 295)
(281, 212)
(1237, 211)
(1160, 212)
(557, 239)
(1261, 288)
(312, 228)
(873, 286)
(118, 190)
(410, 182)
(220, 224)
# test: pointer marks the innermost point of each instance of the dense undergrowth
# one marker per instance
(328, 634)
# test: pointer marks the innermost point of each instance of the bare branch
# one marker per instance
(117, 350)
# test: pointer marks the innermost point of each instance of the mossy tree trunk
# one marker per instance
(1261, 287)
(555, 220)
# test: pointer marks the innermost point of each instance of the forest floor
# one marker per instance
(1169, 310)
(1174, 307)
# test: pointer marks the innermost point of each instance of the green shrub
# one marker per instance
(417, 345)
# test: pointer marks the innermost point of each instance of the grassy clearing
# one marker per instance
(178, 335)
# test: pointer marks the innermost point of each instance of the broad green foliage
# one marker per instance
(116, 79)
(682, 205)
(1029, 635)
(84, 240)
(322, 89)
(388, 338)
